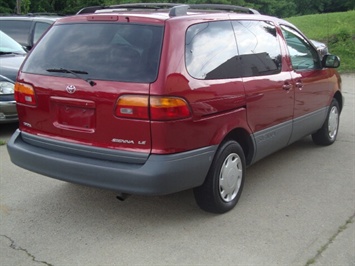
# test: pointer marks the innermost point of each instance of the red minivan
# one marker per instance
(153, 99)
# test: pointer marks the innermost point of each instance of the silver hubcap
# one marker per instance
(333, 122)
(230, 177)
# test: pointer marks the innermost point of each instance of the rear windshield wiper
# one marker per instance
(73, 72)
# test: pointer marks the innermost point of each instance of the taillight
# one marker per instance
(168, 108)
(24, 93)
(132, 106)
(155, 107)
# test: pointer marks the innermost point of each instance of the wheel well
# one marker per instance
(339, 98)
(244, 140)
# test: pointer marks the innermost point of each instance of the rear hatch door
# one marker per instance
(80, 71)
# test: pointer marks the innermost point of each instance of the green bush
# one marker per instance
(343, 36)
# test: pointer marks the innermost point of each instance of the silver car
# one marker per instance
(12, 55)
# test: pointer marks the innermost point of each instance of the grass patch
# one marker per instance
(336, 30)
(2, 142)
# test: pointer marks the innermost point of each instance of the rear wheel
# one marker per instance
(224, 182)
(327, 134)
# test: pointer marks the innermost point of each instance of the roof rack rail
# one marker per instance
(90, 9)
(178, 10)
(154, 6)
(222, 7)
(175, 8)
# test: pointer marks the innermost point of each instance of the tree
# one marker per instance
(340, 5)
(42, 6)
(7, 6)
(279, 8)
(305, 7)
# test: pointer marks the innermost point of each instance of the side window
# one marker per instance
(303, 55)
(210, 51)
(258, 47)
(40, 28)
(18, 30)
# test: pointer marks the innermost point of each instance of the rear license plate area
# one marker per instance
(76, 115)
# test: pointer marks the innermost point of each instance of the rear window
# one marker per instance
(18, 30)
(99, 51)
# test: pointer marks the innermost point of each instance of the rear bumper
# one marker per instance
(158, 175)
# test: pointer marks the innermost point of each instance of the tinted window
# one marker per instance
(303, 55)
(210, 51)
(258, 47)
(18, 30)
(40, 28)
(105, 51)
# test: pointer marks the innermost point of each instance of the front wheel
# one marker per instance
(224, 182)
(327, 134)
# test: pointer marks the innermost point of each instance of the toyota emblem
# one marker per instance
(71, 89)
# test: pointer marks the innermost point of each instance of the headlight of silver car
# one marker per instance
(6, 87)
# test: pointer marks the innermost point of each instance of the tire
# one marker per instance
(327, 134)
(225, 180)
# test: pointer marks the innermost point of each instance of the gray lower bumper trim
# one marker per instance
(159, 175)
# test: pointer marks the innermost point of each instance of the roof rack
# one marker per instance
(90, 9)
(174, 8)
(221, 7)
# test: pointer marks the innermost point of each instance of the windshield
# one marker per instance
(9, 45)
(99, 51)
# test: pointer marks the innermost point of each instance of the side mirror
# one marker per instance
(331, 61)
